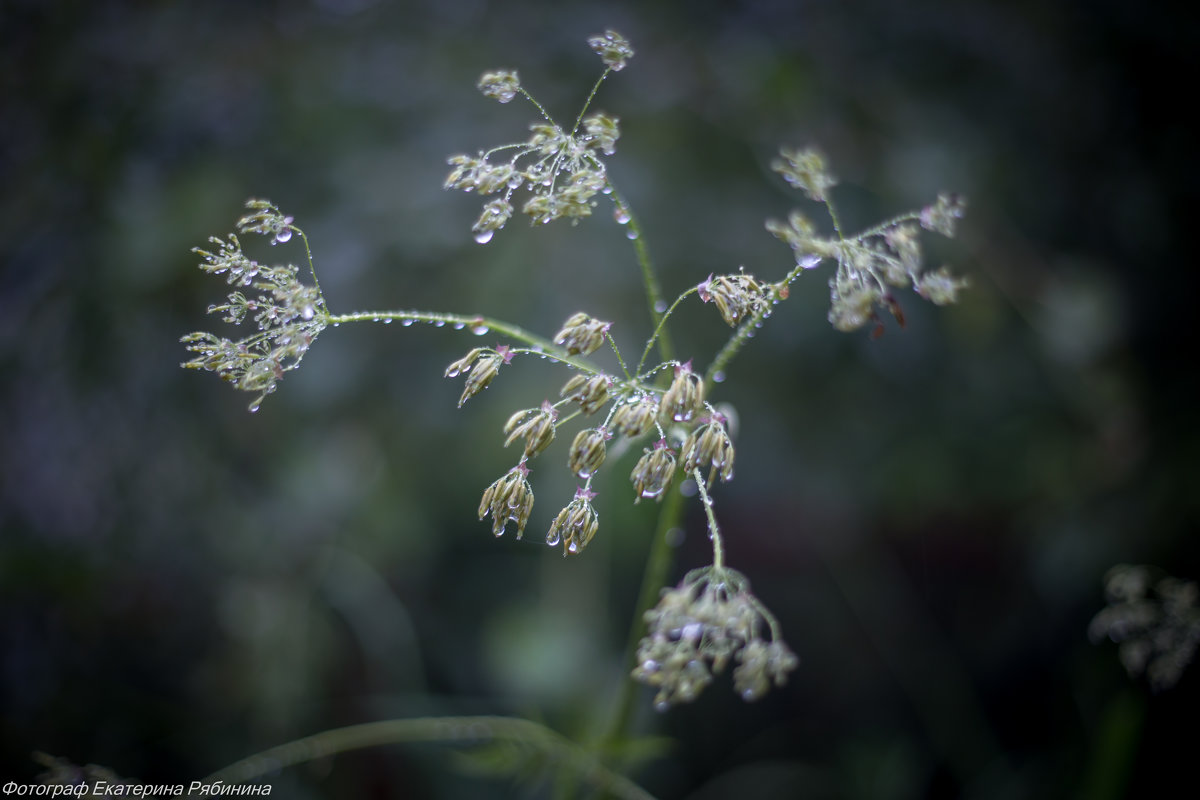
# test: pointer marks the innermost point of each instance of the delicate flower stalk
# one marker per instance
(582, 334)
(589, 391)
(508, 499)
(588, 451)
(709, 445)
(653, 473)
(536, 425)
(684, 397)
(576, 524)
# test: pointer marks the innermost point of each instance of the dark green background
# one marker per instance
(930, 514)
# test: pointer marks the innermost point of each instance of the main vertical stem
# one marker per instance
(658, 564)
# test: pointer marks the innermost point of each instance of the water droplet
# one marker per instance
(572, 548)
(606, 190)
(553, 537)
(621, 215)
(283, 235)
(440, 323)
(631, 233)
(660, 306)
(406, 322)
(662, 706)
(808, 262)
(718, 377)
(651, 491)
(458, 326)
(254, 408)
(479, 330)
(483, 237)
(387, 321)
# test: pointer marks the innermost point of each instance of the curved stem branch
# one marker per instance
(449, 730)
(478, 325)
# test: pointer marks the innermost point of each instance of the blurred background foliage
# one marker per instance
(930, 514)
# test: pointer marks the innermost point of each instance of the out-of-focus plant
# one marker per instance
(1153, 618)
(659, 402)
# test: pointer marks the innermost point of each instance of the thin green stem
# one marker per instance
(468, 731)
(311, 266)
(478, 325)
(661, 330)
(591, 96)
(545, 114)
(658, 564)
(654, 296)
(714, 532)
(882, 227)
(833, 216)
(617, 352)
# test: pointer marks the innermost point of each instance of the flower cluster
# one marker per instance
(485, 362)
(736, 296)
(561, 171)
(1156, 623)
(698, 627)
(287, 313)
(612, 48)
(508, 499)
(576, 524)
(635, 408)
(871, 263)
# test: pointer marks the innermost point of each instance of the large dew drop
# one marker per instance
(283, 235)
(483, 237)
(479, 330)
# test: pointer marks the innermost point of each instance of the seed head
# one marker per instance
(613, 49)
(582, 334)
(590, 391)
(709, 444)
(482, 366)
(502, 85)
(684, 397)
(653, 472)
(635, 415)
(940, 287)
(509, 498)
(535, 424)
(575, 525)
(805, 170)
(697, 628)
(735, 296)
(942, 217)
(588, 451)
